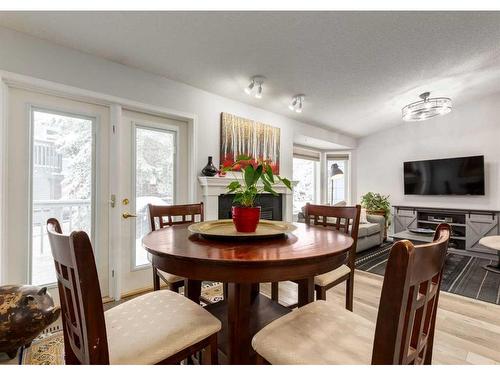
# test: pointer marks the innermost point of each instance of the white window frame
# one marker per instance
(3, 181)
(317, 176)
(95, 182)
(348, 182)
(161, 128)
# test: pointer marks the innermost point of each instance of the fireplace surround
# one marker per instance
(214, 194)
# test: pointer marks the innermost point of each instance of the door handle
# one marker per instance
(127, 215)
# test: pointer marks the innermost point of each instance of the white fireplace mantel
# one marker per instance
(213, 187)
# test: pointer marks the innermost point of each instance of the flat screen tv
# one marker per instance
(455, 176)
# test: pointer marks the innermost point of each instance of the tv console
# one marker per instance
(468, 226)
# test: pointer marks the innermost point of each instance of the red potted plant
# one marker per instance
(245, 214)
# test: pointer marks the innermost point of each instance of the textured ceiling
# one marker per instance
(357, 68)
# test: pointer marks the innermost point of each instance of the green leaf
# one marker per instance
(249, 175)
(265, 182)
(286, 182)
(237, 198)
(257, 174)
(269, 188)
(269, 173)
(252, 190)
(265, 178)
(234, 185)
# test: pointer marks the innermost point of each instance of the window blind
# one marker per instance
(303, 153)
(337, 157)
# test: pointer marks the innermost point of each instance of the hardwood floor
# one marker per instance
(467, 330)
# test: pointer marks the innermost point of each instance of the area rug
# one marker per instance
(463, 274)
(48, 348)
(45, 350)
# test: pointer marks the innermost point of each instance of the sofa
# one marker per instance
(370, 234)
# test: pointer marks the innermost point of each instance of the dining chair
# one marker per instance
(162, 216)
(321, 333)
(157, 327)
(342, 218)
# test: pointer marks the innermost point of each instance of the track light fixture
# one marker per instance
(297, 103)
(255, 88)
(255, 85)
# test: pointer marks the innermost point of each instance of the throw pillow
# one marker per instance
(362, 217)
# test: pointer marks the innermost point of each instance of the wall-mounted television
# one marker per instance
(454, 176)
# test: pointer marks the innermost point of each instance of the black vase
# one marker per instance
(209, 169)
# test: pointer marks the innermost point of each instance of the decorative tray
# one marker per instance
(226, 229)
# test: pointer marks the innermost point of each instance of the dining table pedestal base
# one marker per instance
(249, 312)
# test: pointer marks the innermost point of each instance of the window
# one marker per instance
(154, 178)
(337, 181)
(306, 174)
(62, 183)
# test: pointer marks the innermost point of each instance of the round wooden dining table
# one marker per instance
(243, 265)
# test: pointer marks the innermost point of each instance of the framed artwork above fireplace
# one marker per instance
(241, 136)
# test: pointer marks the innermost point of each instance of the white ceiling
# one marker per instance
(357, 68)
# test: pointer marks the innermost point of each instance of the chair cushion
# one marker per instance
(154, 326)
(318, 333)
(368, 229)
(330, 277)
(170, 278)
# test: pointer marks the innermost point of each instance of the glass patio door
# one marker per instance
(57, 167)
(62, 182)
(152, 172)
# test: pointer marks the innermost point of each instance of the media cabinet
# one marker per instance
(468, 226)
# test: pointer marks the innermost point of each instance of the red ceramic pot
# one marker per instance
(246, 219)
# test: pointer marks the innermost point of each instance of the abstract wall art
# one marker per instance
(244, 137)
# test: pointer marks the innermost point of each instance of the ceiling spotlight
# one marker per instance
(297, 103)
(256, 83)
(250, 87)
(426, 108)
(258, 95)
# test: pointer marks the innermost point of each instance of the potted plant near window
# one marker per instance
(245, 214)
(377, 204)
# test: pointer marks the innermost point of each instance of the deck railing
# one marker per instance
(46, 156)
(72, 214)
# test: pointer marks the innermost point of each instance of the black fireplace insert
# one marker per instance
(271, 206)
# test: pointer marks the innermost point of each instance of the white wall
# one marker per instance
(471, 129)
(23, 54)
(3, 180)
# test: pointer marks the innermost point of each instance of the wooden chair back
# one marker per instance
(187, 213)
(407, 312)
(85, 340)
(342, 218)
